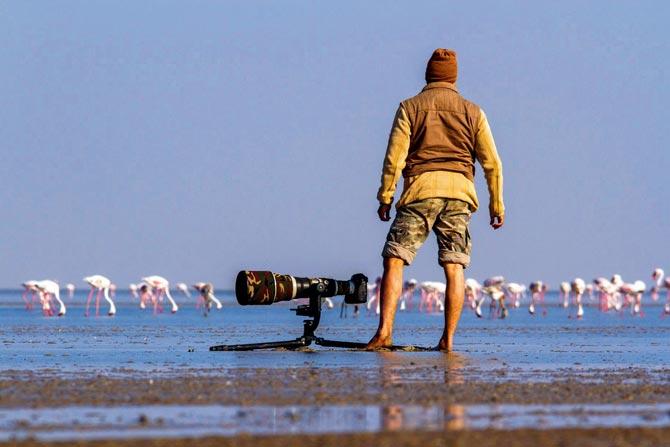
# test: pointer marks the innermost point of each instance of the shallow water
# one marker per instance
(87, 423)
(135, 341)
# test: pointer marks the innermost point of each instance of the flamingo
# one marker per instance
(515, 291)
(344, 307)
(432, 293)
(70, 290)
(206, 291)
(565, 293)
(162, 286)
(48, 289)
(145, 295)
(407, 294)
(473, 291)
(657, 276)
(578, 286)
(344, 310)
(374, 291)
(183, 288)
(493, 288)
(589, 291)
(606, 293)
(639, 287)
(633, 295)
(133, 290)
(103, 285)
(29, 288)
(537, 291)
(667, 301)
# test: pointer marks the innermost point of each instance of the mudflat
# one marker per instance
(402, 382)
(406, 384)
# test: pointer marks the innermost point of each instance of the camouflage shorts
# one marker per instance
(448, 218)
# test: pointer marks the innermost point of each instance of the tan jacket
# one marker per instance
(442, 132)
(441, 183)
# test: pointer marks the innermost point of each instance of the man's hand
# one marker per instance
(497, 221)
(384, 212)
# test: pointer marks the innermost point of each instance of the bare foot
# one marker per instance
(379, 342)
(445, 345)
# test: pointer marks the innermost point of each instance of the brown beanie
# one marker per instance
(442, 66)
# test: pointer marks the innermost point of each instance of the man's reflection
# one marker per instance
(414, 417)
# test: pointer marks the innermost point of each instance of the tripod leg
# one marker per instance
(287, 344)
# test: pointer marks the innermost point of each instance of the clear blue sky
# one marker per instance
(195, 139)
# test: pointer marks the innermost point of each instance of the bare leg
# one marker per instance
(454, 297)
(391, 289)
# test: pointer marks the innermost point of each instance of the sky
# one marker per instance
(196, 139)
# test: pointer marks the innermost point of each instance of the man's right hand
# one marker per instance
(384, 212)
(497, 221)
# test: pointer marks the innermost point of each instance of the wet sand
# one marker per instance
(403, 383)
(642, 437)
(136, 360)
(313, 386)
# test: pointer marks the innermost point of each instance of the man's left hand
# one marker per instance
(497, 221)
(384, 212)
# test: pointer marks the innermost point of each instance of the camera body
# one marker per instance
(265, 288)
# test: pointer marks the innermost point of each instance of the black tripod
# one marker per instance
(311, 310)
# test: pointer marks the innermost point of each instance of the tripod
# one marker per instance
(311, 310)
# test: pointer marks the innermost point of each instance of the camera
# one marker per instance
(265, 288)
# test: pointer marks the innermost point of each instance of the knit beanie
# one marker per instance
(442, 66)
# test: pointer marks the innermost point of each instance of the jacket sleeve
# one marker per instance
(396, 154)
(487, 155)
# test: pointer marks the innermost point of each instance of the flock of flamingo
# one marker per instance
(151, 292)
(611, 295)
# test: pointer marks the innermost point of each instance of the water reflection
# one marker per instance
(86, 423)
(403, 417)
(398, 367)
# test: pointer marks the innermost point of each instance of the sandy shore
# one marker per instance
(409, 384)
(403, 380)
(484, 438)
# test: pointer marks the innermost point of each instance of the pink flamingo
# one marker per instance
(133, 291)
(667, 300)
(407, 295)
(606, 294)
(145, 295)
(161, 286)
(432, 295)
(473, 291)
(29, 288)
(565, 293)
(515, 292)
(206, 291)
(493, 288)
(374, 292)
(589, 291)
(633, 296)
(48, 289)
(537, 291)
(617, 297)
(103, 285)
(183, 288)
(70, 290)
(578, 286)
(657, 275)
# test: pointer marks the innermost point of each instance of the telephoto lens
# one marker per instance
(264, 288)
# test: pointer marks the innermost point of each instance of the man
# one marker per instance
(435, 139)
